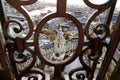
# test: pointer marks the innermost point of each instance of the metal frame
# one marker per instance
(95, 45)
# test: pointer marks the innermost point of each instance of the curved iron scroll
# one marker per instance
(94, 45)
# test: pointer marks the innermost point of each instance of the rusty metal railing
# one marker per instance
(22, 52)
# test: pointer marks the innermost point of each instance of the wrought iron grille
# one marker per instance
(28, 57)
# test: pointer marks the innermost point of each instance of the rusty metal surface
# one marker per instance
(111, 50)
(94, 44)
(4, 69)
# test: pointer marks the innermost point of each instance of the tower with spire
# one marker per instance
(59, 42)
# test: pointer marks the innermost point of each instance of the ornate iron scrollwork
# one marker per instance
(94, 45)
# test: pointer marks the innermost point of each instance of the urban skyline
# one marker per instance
(81, 2)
